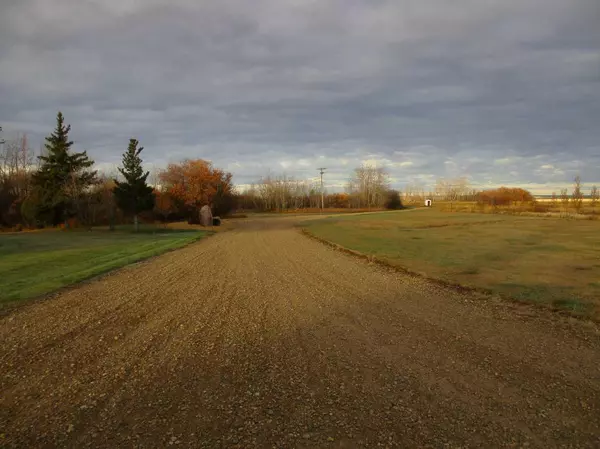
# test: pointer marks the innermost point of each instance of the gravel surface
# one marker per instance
(261, 337)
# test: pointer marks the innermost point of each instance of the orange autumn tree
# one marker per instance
(339, 200)
(504, 196)
(194, 183)
(164, 205)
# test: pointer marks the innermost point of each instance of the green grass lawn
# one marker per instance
(32, 264)
(553, 262)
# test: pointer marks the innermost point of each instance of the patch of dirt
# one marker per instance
(260, 337)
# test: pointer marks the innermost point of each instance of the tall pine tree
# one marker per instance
(133, 195)
(62, 176)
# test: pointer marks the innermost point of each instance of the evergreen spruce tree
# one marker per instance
(133, 195)
(62, 176)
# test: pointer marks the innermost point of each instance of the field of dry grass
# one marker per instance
(543, 207)
(548, 261)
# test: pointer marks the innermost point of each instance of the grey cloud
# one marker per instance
(253, 85)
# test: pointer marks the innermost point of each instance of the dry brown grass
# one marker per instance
(538, 208)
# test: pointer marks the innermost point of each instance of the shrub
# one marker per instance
(393, 201)
(541, 208)
(504, 196)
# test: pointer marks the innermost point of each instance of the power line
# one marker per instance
(321, 171)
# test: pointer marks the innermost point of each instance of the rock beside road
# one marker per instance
(206, 217)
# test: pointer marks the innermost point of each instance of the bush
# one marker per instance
(504, 196)
(541, 208)
(193, 219)
(393, 201)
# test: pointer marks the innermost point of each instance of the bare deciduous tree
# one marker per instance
(452, 189)
(280, 193)
(368, 186)
(577, 194)
(414, 193)
(16, 163)
(594, 195)
(16, 166)
(564, 198)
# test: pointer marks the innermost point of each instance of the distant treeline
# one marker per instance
(61, 187)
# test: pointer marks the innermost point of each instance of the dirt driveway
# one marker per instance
(261, 337)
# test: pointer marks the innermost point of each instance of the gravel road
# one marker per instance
(261, 337)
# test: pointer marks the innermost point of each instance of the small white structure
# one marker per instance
(427, 203)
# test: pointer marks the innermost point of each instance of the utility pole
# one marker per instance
(321, 171)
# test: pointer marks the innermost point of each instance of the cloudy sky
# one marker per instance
(500, 91)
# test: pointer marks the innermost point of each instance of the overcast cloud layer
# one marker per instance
(504, 92)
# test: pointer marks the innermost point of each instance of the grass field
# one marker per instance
(552, 262)
(32, 264)
(541, 207)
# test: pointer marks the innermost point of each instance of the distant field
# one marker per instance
(553, 262)
(541, 207)
(32, 264)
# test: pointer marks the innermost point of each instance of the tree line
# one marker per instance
(505, 196)
(368, 188)
(458, 189)
(61, 187)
